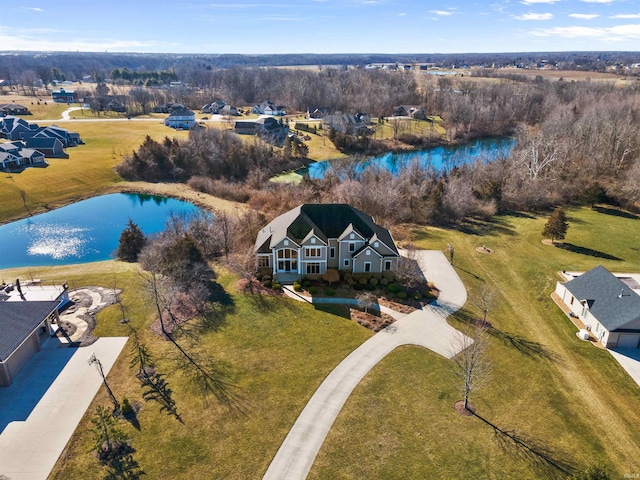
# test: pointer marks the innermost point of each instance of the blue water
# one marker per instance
(86, 231)
(438, 158)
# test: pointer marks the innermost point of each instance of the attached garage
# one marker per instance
(628, 340)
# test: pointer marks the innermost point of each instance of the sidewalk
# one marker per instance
(39, 425)
(427, 328)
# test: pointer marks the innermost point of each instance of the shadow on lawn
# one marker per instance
(548, 463)
(616, 212)
(497, 225)
(587, 251)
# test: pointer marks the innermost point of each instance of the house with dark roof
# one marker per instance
(268, 129)
(50, 147)
(607, 304)
(25, 327)
(413, 111)
(14, 157)
(14, 109)
(63, 96)
(181, 118)
(318, 112)
(312, 238)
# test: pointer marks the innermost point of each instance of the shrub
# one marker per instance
(363, 280)
(402, 295)
(373, 281)
(267, 283)
(417, 296)
(330, 292)
(266, 278)
(393, 288)
(429, 295)
(313, 290)
(276, 286)
(390, 276)
(369, 287)
(384, 282)
(306, 284)
(259, 277)
(125, 406)
(297, 287)
(357, 286)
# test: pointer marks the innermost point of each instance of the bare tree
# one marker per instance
(366, 300)
(470, 365)
(485, 301)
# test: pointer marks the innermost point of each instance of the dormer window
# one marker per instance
(352, 236)
(313, 240)
(376, 244)
(368, 252)
(286, 243)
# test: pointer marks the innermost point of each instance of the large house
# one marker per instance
(181, 118)
(312, 238)
(268, 129)
(413, 111)
(27, 313)
(50, 141)
(14, 156)
(64, 96)
(269, 108)
(607, 305)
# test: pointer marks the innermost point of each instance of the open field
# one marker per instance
(564, 396)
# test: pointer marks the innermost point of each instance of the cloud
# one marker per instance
(598, 1)
(33, 9)
(532, 2)
(402, 14)
(611, 34)
(534, 16)
(584, 16)
(626, 15)
(442, 13)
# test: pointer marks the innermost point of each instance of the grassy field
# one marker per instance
(88, 171)
(278, 356)
(564, 396)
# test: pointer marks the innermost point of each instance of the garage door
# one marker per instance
(628, 340)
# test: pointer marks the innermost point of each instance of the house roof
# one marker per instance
(43, 142)
(18, 320)
(181, 112)
(610, 300)
(326, 220)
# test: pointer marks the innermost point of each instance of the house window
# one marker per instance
(313, 268)
(287, 253)
(387, 265)
(571, 302)
(313, 240)
(352, 236)
(286, 243)
(376, 244)
(367, 266)
(263, 262)
(346, 262)
(312, 252)
(352, 247)
(368, 252)
(332, 252)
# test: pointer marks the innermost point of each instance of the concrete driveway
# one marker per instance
(629, 359)
(427, 328)
(41, 409)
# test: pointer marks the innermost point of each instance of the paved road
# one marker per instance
(629, 359)
(427, 328)
(41, 409)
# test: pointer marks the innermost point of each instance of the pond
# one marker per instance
(439, 158)
(86, 231)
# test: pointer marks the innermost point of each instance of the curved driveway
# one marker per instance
(427, 328)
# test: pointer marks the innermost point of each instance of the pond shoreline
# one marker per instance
(178, 191)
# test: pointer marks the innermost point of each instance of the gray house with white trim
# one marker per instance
(312, 238)
(608, 305)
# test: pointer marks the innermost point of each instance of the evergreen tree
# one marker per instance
(132, 241)
(556, 227)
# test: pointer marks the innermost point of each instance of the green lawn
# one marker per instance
(563, 395)
(278, 358)
(87, 172)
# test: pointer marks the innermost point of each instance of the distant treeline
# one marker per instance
(148, 79)
(75, 65)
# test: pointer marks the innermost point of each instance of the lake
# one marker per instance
(438, 158)
(86, 231)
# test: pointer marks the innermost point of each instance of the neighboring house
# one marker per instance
(318, 112)
(26, 317)
(116, 105)
(14, 109)
(608, 305)
(215, 108)
(268, 129)
(352, 124)
(14, 156)
(413, 111)
(64, 96)
(269, 108)
(181, 118)
(312, 238)
(161, 109)
(50, 147)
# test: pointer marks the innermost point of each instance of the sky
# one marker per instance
(320, 26)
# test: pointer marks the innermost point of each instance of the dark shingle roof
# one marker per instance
(18, 320)
(612, 302)
(328, 220)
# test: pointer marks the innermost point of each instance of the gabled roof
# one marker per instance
(18, 320)
(181, 112)
(326, 220)
(611, 301)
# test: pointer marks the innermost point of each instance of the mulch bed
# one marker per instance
(182, 313)
(465, 412)
(399, 307)
(371, 321)
(245, 286)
